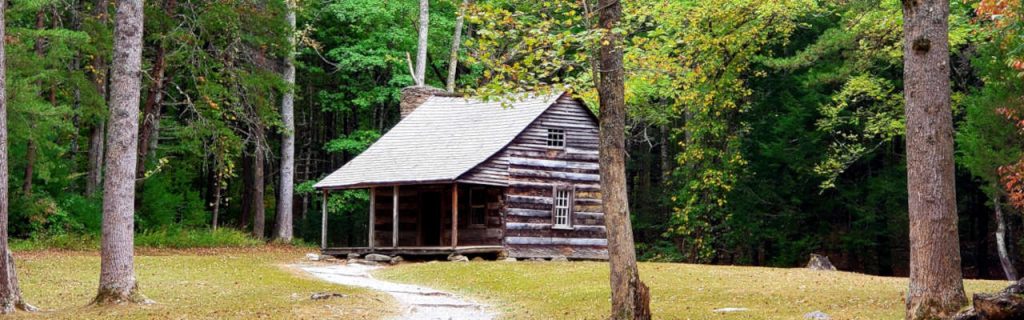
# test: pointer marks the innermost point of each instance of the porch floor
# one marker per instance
(413, 251)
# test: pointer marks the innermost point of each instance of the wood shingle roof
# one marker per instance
(441, 140)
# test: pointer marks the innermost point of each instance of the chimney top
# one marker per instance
(412, 97)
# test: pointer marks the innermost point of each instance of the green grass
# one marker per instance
(579, 290)
(235, 283)
(164, 238)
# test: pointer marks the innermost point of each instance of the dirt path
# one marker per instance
(419, 303)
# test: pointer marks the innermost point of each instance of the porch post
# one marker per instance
(323, 221)
(394, 219)
(373, 213)
(455, 215)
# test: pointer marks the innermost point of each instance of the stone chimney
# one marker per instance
(413, 97)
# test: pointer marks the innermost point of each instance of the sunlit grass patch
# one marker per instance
(212, 283)
(578, 290)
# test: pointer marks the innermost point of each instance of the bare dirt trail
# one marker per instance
(418, 303)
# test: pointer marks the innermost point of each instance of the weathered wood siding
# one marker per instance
(534, 170)
(411, 215)
(492, 172)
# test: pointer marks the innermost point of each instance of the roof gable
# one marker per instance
(442, 139)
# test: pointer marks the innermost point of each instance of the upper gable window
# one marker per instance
(556, 138)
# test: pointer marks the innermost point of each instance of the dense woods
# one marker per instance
(756, 132)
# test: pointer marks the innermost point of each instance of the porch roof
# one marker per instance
(441, 140)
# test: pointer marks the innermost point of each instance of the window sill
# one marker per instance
(558, 227)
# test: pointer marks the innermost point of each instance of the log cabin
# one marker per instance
(517, 177)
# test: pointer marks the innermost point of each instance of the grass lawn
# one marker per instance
(578, 290)
(240, 283)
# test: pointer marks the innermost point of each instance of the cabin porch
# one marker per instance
(421, 220)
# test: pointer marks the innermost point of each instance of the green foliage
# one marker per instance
(353, 143)
(163, 238)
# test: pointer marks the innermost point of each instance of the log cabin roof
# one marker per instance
(441, 140)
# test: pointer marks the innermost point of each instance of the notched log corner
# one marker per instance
(921, 45)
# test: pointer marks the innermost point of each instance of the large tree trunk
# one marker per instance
(257, 205)
(936, 287)
(10, 294)
(1004, 255)
(421, 48)
(630, 297)
(98, 132)
(117, 267)
(453, 59)
(286, 196)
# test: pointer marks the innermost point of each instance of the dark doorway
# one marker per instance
(430, 224)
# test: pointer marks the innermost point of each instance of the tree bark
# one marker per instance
(421, 49)
(96, 136)
(453, 59)
(936, 287)
(10, 294)
(1004, 255)
(630, 297)
(117, 267)
(257, 205)
(285, 198)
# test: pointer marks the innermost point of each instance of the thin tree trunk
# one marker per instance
(30, 153)
(287, 187)
(257, 205)
(154, 100)
(247, 187)
(453, 59)
(117, 266)
(151, 111)
(421, 49)
(10, 293)
(216, 195)
(936, 287)
(1004, 256)
(98, 132)
(96, 144)
(630, 297)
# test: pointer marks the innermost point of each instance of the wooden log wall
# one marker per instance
(534, 170)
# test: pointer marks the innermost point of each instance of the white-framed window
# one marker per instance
(556, 138)
(477, 207)
(562, 207)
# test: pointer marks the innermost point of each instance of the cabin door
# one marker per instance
(430, 224)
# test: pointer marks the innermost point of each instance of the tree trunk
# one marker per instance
(630, 297)
(287, 188)
(152, 111)
(30, 153)
(154, 101)
(936, 287)
(247, 187)
(117, 267)
(96, 144)
(257, 205)
(1004, 255)
(98, 131)
(10, 293)
(453, 59)
(421, 49)
(216, 195)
